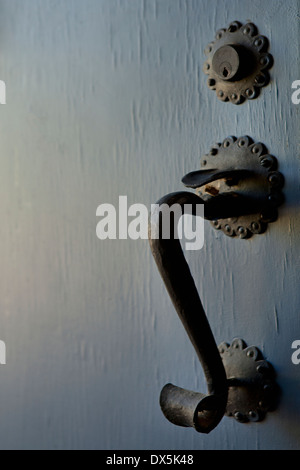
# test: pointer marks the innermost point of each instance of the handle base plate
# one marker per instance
(252, 386)
(261, 187)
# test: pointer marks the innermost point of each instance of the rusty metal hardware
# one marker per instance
(237, 63)
(236, 377)
(239, 166)
(203, 412)
(252, 388)
(232, 383)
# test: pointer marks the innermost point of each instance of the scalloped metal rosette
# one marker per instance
(264, 185)
(257, 62)
(253, 390)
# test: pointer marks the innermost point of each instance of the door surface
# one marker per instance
(108, 98)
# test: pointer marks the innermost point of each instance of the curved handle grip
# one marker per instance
(180, 406)
(198, 178)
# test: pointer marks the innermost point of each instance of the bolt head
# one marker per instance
(259, 80)
(250, 93)
(216, 224)
(242, 232)
(239, 416)
(266, 162)
(255, 227)
(255, 149)
(252, 415)
(276, 179)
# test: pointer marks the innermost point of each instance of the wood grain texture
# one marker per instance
(108, 98)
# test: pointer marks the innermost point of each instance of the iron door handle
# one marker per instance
(180, 406)
(250, 188)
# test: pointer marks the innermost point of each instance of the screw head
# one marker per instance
(276, 179)
(232, 28)
(252, 415)
(255, 227)
(216, 224)
(266, 61)
(242, 232)
(250, 93)
(208, 49)
(261, 368)
(239, 416)
(266, 161)
(259, 80)
(263, 60)
(255, 149)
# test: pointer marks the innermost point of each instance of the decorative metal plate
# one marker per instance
(252, 387)
(264, 186)
(238, 62)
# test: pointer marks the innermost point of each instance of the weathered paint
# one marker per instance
(108, 98)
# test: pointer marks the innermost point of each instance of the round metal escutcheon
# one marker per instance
(252, 386)
(265, 185)
(237, 63)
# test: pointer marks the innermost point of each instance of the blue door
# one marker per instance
(108, 98)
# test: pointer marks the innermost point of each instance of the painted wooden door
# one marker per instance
(107, 98)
